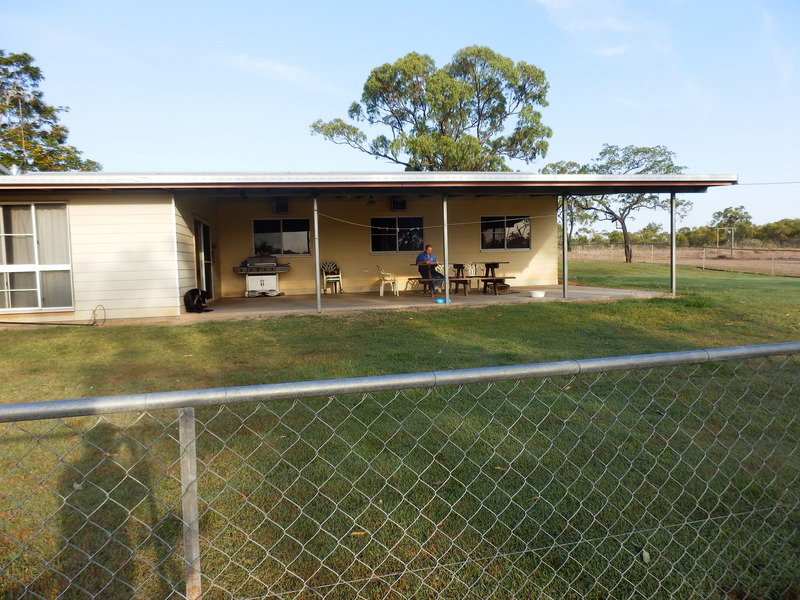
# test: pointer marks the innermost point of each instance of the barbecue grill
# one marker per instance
(261, 276)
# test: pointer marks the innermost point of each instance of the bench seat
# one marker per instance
(463, 281)
(493, 282)
(424, 281)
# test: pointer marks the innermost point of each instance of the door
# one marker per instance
(203, 258)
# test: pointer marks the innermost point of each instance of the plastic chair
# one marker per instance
(388, 279)
(331, 275)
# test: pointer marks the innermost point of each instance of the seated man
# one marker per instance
(426, 264)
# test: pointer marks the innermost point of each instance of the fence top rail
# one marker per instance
(79, 407)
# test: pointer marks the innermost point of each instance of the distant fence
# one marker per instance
(767, 261)
(653, 476)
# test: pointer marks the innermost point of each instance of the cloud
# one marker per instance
(276, 70)
(587, 15)
(782, 60)
(688, 97)
(612, 50)
(617, 31)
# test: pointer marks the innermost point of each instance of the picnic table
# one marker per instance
(490, 279)
(427, 281)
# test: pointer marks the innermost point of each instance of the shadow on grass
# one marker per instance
(117, 541)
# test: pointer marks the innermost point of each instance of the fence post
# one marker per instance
(191, 524)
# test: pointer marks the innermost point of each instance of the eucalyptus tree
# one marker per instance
(31, 136)
(473, 114)
(617, 208)
(575, 217)
(734, 221)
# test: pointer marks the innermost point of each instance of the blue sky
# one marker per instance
(182, 85)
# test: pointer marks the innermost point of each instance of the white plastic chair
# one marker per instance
(388, 279)
(331, 275)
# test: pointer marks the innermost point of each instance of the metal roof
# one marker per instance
(342, 182)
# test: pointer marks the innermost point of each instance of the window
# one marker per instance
(281, 236)
(505, 233)
(35, 267)
(396, 234)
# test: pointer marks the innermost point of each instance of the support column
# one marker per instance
(672, 244)
(316, 256)
(446, 250)
(564, 246)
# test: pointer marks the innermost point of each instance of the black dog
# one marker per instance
(195, 301)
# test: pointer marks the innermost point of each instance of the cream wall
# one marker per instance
(344, 237)
(124, 255)
(235, 219)
(133, 252)
(188, 209)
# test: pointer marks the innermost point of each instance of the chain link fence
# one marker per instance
(667, 475)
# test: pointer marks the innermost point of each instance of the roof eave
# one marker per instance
(340, 182)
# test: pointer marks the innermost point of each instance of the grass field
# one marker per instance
(714, 310)
(580, 469)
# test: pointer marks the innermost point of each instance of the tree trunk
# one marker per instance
(626, 242)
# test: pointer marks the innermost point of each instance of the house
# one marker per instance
(133, 244)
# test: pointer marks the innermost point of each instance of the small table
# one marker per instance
(490, 267)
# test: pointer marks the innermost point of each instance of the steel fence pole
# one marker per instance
(191, 518)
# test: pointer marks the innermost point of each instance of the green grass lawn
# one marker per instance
(582, 469)
(713, 310)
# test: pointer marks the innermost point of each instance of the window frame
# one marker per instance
(397, 237)
(41, 271)
(505, 220)
(282, 231)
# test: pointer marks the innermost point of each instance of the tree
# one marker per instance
(785, 232)
(731, 217)
(653, 233)
(31, 136)
(448, 119)
(699, 236)
(736, 219)
(574, 217)
(616, 208)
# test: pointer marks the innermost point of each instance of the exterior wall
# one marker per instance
(344, 237)
(235, 219)
(124, 255)
(133, 253)
(184, 247)
(187, 209)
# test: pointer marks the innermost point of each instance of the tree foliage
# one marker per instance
(449, 119)
(785, 232)
(31, 135)
(731, 217)
(575, 217)
(782, 234)
(617, 208)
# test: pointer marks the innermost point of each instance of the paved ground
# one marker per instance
(265, 307)
(306, 304)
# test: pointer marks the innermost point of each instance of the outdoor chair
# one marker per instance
(388, 279)
(331, 275)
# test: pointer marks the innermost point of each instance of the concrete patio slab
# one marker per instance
(306, 304)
